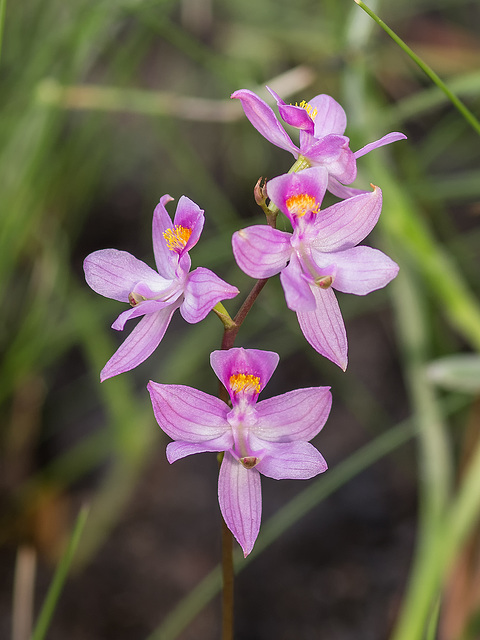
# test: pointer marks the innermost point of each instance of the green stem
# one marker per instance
(466, 113)
(3, 6)
(59, 578)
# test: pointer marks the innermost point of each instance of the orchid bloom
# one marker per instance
(155, 295)
(322, 123)
(270, 437)
(319, 256)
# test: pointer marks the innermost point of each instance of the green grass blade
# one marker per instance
(59, 578)
(3, 5)
(299, 506)
(466, 113)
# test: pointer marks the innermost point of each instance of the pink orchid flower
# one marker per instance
(269, 437)
(319, 256)
(322, 123)
(155, 295)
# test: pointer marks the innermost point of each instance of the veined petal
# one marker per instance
(295, 415)
(140, 344)
(330, 117)
(388, 139)
(251, 362)
(295, 460)
(188, 414)
(345, 224)
(298, 294)
(114, 274)
(341, 191)
(240, 498)
(141, 309)
(165, 259)
(202, 292)
(264, 120)
(177, 450)
(360, 270)
(260, 251)
(331, 152)
(286, 191)
(190, 216)
(324, 328)
(294, 115)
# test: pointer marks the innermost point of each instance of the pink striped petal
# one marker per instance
(165, 259)
(248, 361)
(330, 116)
(177, 450)
(190, 216)
(260, 251)
(202, 292)
(295, 415)
(324, 328)
(239, 495)
(359, 270)
(345, 224)
(298, 293)
(188, 414)
(331, 152)
(264, 120)
(140, 344)
(388, 139)
(294, 460)
(114, 274)
(283, 190)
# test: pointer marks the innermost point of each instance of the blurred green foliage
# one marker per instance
(107, 105)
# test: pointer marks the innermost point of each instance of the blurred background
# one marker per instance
(108, 105)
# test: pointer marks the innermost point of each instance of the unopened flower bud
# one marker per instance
(260, 193)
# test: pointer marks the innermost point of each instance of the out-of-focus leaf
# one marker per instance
(459, 372)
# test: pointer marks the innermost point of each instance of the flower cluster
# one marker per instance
(320, 255)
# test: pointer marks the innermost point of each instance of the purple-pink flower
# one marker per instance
(155, 295)
(322, 123)
(269, 437)
(319, 256)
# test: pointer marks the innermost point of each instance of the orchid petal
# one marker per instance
(345, 224)
(331, 152)
(293, 115)
(387, 139)
(239, 495)
(114, 274)
(189, 415)
(249, 361)
(295, 415)
(190, 216)
(360, 270)
(140, 344)
(324, 328)
(203, 290)
(330, 117)
(295, 460)
(165, 259)
(298, 293)
(264, 120)
(178, 449)
(141, 309)
(311, 182)
(341, 191)
(260, 251)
